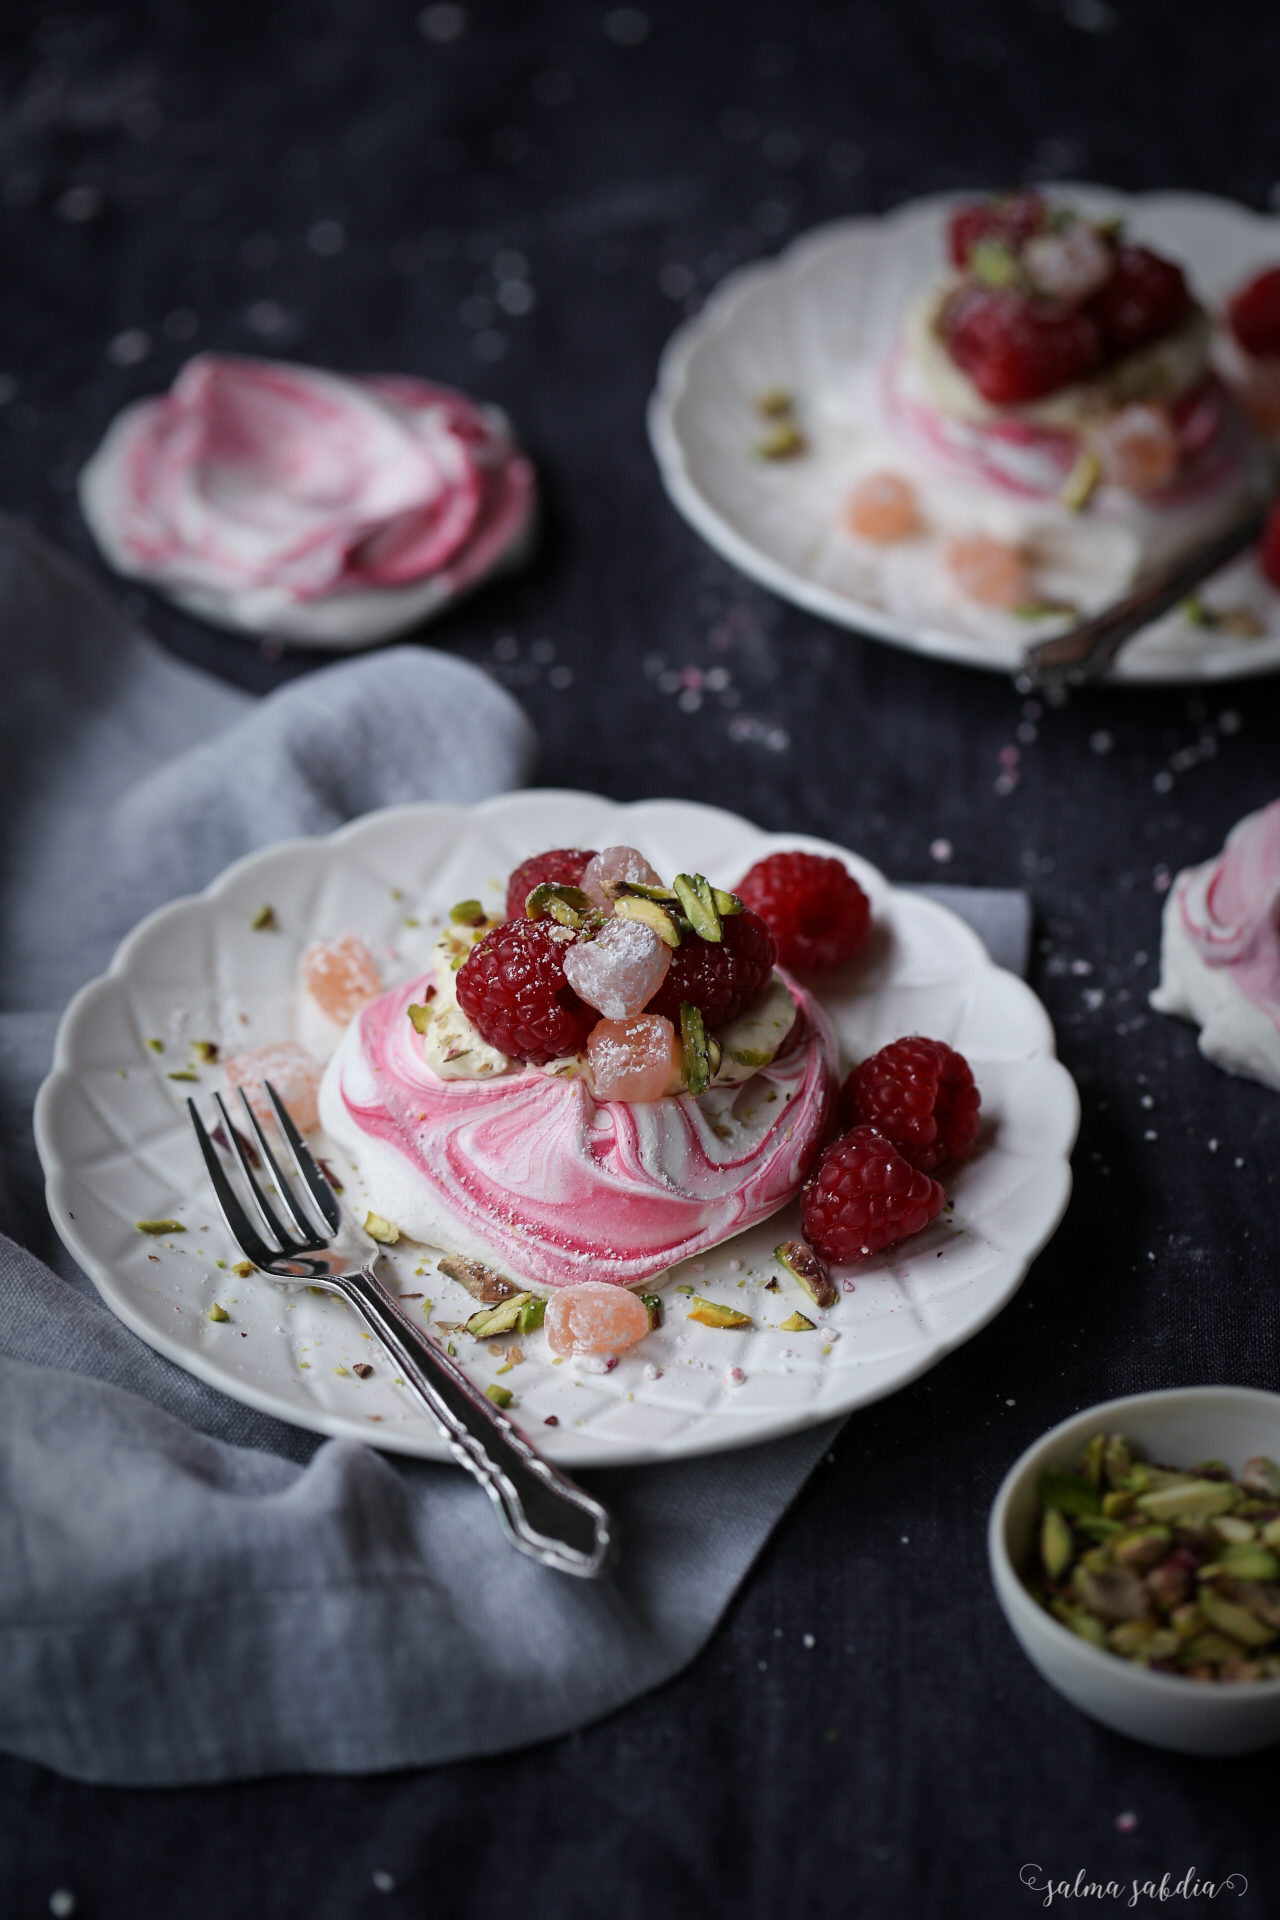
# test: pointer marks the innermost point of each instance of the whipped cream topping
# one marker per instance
(279, 498)
(1220, 951)
(530, 1173)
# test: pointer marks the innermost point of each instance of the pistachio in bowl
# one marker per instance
(1174, 1568)
(1135, 1551)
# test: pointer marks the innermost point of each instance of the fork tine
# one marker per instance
(243, 1231)
(317, 1186)
(286, 1241)
(305, 1227)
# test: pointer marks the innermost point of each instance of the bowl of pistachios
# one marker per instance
(1135, 1551)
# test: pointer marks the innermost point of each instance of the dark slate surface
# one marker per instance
(911, 1762)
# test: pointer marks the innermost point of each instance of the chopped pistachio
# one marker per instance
(1057, 1546)
(697, 1066)
(1271, 1533)
(994, 263)
(1249, 1561)
(652, 1303)
(160, 1226)
(1189, 1499)
(782, 442)
(1081, 1622)
(500, 1396)
(1261, 1477)
(1228, 1527)
(505, 1368)
(1116, 1505)
(244, 1268)
(773, 402)
(482, 1283)
(711, 1314)
(501, 1319)
(218, 1313)
(1142, 1547)
(383, 1231)
(342, 1371)
(684, 1289)
(452, 1351)
(532, 1315)
(1092, 1461)
(205, 1050)
(1115, 1460)
(1094, 1527)
(1069, 1495)
(467, 913)
(795, 1323)
(694, 894)
(633, 907)
(1080, 484)
(1238, 1621)
(565, 904)
(726, 904)
(156, 1046)
(804, 1266)
(182, 1073)
(264, 920)
(420, 1017)
(641, 890)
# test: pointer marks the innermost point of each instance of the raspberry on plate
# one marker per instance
(722, 979)
(565, 865)
(1009, 219)
(920, 1095)
(813, 907)
(512, 986)
(1014, 349)
(864, 1196)
(1144, 299)
(1254, 315)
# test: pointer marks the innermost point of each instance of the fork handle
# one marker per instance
(542, 1511)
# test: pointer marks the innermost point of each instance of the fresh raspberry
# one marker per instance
(562, 864)
(1269, 554)
(1012, 218)
(721, 979)
(813, 907)
(1254, 314)
(920, 1095)
(1145, 298)
(512, 985)
(1014, 349)
(863, 1196)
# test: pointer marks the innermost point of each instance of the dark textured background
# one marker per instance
(329, 181)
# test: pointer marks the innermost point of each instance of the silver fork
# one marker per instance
(541, 1510)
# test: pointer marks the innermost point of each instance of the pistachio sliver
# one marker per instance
(500, 1396)
(532, 1314)
(652, 1304)
(502, 1319)
(711, 1314)
(693, 1033)
(1069, 1495)
(1261, 1477)
(1188, 1500)
(557, 901)
(420, 1017)
(804, 1266)
(1238, 1621)
(159, 1226)
(466, 913)
(726, 904)
(796, 1323)
(218, 1313)
(694, 893)
(639, 890)
(481, 1282)
(636, 907)
(1057, 1546)
(385, 1232)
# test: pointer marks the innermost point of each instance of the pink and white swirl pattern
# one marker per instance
(530, 1170)
(282, 499)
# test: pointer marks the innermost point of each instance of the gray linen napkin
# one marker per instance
(191, 1591)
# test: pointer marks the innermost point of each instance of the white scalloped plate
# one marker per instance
(834, 301)
(116, 1147)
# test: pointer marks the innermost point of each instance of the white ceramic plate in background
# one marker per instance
(835, 301)
(116, 1146)
(1175, 1428)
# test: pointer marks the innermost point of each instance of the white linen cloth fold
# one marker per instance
(190, 1590)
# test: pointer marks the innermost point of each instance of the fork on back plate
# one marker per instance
(542, 1511)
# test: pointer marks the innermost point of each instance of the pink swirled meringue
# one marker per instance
(528, 1171)
(281, 499)
(1220, 950)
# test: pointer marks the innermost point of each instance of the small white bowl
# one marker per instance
(1178, 1427)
